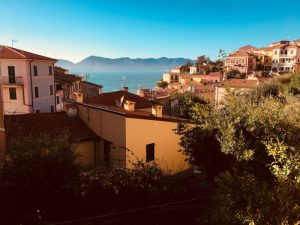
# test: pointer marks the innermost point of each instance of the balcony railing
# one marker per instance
(11, 80)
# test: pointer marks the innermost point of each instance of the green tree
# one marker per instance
(162, 84)
(38, 175)
(257, 139)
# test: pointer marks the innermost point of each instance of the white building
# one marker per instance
(27, 81)
(285, 56)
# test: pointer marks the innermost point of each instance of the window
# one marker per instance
(11, 74)
(52, 108)
(285, 52)
(50, 70)
(35, 72)
(37, 111)
(292, 51)
(12, 93)
(275, 52)
(36, 92)
(57, 100)
(150, 152)
(51, 89)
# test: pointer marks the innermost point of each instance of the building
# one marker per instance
(90, 89)
(233, 84)
(263, 58)
(171, 77)
(243, 61)
(27, 81)
(73, 86)
(285, 56)
(87, 144)
(136, 128)
(2, 128)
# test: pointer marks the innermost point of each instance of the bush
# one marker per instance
(162, 84)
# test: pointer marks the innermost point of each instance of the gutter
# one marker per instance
(30, 71)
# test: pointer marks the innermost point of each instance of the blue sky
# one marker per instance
(144, 28)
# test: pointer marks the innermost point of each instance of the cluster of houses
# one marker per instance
(256, 64)
(278, 57)
(118, 128)
(108, 129)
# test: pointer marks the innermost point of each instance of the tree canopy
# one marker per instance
(250, 146)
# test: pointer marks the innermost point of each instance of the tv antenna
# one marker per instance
(12, 42)
(123, 81)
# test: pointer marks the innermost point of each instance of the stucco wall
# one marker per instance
(108, 126)
(21, 70)
(43, 82)
(140, 132)
(86, 152)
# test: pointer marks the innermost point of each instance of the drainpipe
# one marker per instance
(31, 85)
(2, 128)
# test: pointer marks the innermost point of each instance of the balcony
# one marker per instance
(11, 80)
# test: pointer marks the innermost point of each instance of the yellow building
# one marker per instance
(136, 128)
(263, 58)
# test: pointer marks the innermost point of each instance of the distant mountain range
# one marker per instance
(101, 64)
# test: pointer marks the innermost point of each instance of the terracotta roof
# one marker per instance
(247, 48)
(14, 53)
(264, 49)
(58, 69)
(239, 53)
(52, 124)
(66, 78)
(109, 99)
(92, 84)
(239, 83)
(121, 111)
(215, 74)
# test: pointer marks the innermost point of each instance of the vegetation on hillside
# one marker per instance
(250, 147)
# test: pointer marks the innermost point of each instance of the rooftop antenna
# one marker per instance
(123, 82)
(12, 42)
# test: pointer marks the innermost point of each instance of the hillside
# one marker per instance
(101, 64)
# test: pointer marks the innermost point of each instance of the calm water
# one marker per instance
(112, 81)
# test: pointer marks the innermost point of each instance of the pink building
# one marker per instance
(242, 61)
(27, 81)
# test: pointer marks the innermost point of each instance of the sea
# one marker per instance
(113, 81)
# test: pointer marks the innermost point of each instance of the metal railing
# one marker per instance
(11, 80)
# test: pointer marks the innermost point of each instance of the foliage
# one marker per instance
(235, 74)
(201, 60)
(162, 84)
(256, 135)
(39, 174)
(186, 102)
(42, 181)
(141, 185)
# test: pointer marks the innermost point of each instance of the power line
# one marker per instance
(131, 211)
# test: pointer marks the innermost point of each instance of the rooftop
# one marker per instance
(139, 114)
(109, 99)
(239, 83)
(66, 78)
(92, 84)
(52, 124)
(14, 53)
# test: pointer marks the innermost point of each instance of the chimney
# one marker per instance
(157, 110)
(125, 88)
(72, 111)
(2, 128)
(128, 105)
